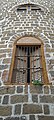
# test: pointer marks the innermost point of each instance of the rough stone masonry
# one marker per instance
(14, 99)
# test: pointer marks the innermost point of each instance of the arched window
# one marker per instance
(28, 62)
(30, 7)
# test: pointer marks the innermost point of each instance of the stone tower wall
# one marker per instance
(15, 102)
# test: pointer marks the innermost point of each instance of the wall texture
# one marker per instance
(15, 102)
(14, 24)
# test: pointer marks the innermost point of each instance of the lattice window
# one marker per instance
(27, 64)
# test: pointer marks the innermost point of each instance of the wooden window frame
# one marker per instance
(45, 81)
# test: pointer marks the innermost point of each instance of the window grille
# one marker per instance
(29, 7)
(27, 64)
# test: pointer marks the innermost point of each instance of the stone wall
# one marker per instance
(15, 24)
(16, 103)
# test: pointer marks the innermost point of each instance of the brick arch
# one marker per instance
(17, 37)
(29, 3)
(20, 39)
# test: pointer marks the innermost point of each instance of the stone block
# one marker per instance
(2, 55)
(36, 89)
(5, 50)
(17, 109)
(48, 55)
(52, 41)
(6, 61)
(45, 117)
(52, 89)
(46, 109)
(5, 99)
(5, 75)
(2, 67)
(19, 99)
(10, 89)
(52, 61)
(19, 89)
(46, 89)
(35, 98)
(2, 90)
(49, 50)
(3, 46)
(32, 109)
(51, 34)
(12, 118)
(32, 117)
(52, 73)
(2, 42)
(46, 99)
(7, 90)
(5, 110)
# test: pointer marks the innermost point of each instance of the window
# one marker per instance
(29, 7)
(28, 63)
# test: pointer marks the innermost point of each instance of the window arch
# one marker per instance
(28, 62)
(31, 7)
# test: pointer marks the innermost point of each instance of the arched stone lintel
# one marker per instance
(29, 39)
(29, 3)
